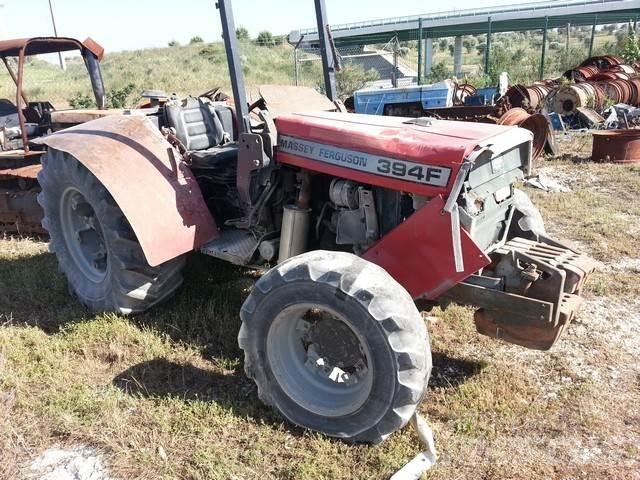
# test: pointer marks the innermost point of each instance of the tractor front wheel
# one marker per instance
(336, 345)
(95, 246)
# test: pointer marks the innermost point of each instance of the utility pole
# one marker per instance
(55, 33)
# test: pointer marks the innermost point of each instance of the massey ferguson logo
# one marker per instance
(388, 167)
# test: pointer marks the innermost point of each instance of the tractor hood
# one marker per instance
(421, 156)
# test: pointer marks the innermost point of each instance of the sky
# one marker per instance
(133, 24)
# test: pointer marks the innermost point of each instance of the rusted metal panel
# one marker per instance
(41, 45)
(620, 146)
(281, 99)
(156, 191)
(536, 123)
(28, 172)
(20, 212)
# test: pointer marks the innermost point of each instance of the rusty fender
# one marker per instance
(155, 190)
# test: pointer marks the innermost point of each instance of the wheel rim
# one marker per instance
(83, 235)
(319, 361)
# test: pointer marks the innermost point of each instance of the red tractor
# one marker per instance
(29, 118)
(358, 217)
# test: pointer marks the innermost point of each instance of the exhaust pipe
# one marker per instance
(294, 231)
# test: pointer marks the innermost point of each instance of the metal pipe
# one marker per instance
(232, 47)
(55, 33)
(420, 40)
(295, 65)
(544, 47)
(328, 60)
(394, 78)
(21, 119)
(95, 75)
(593, 35)
(294, 231)
(12, 74)
(568, 40)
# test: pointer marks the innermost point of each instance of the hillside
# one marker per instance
(195, 68)
(190, 69)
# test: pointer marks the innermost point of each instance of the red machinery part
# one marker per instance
(427, 269)
(432, 144)
(156, 191)
(619, 146)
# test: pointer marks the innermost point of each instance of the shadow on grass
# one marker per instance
(205, 312)
(33, 292)
(452, 372)
(160, 378)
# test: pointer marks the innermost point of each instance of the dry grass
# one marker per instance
(163, 395)
(185, 70)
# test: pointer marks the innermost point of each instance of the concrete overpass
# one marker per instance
(483, 20)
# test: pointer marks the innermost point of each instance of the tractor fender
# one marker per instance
(154, 188)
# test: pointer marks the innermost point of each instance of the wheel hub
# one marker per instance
(83, 235)
(336, 343)
(319, 360)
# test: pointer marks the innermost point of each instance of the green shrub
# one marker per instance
(81, 101)
(120, 97)
(242, 33)
(196, 39)
(265, 39)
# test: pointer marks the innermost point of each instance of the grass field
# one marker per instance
(163, 395)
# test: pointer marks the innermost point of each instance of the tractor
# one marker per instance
(355, 221)
(27, 119)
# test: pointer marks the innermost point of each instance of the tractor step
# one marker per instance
(233, 245)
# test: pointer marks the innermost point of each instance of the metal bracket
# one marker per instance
(251, 156)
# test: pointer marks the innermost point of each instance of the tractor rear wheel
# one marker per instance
(336, 345)
(95, 246)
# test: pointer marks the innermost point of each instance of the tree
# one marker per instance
(442, 44)
(196, 39)
(438, 73)
(469, 43)
(352, 77)
(242, 33)
(631, 47)
(174, 43)
(265, 38)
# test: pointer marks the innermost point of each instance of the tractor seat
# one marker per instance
(216, 157)
(199, 126)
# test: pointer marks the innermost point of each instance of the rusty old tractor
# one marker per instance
(25, 120)
(358, 218)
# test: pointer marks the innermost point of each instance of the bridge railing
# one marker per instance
(528, 7)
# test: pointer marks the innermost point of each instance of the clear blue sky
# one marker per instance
(133, 24)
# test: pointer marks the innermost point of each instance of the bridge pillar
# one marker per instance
(457, 57)
(428, 56)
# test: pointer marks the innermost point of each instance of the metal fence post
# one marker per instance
(593, 35)
(396, 46)
(544, 47)
(420, 51)
(295, 65)
(487, 52)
